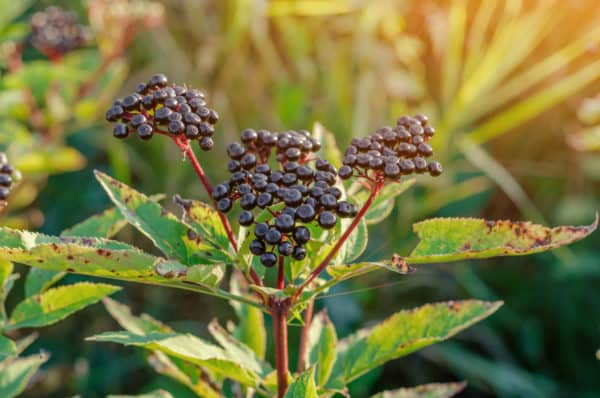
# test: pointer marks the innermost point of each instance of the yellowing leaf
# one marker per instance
(433, 390)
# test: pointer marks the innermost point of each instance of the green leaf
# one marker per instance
(142, 324)
(103, 258)
(403, 333)
(206, 222)
(384, 202)
(356, 243)
(39, 280)
(433, 390)
(57, 303)
(8, 347)
(151, 394)
(453, 239)
(104, 225)
(12, 9)
(188, 348)
(236, 349)
(304, 386)
(169, 234)
(320, 352)
(250, 329)
(7, 281)
(15, 374)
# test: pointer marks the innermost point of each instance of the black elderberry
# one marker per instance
(176, 127)
(328, 201)
(346, 209)
(273, 236)
(159, 80)
(327, 219)
(299, 253)
(257, 247)
(192, 132)
(246, 218)
(425, 149)
(301, 234)
(224, 205)
(4, 193)
(345, 172)
(5, 180)
(206, 143)
(406, 166)
(220, 191)
(285, 248)
(284, 223)
(292, 197)
(260, 230)
(268, 259)
(391, 170)
(120, 130)
(435, 169)
(420, 164)
(145, 132)
(248, 201)
(248, 161)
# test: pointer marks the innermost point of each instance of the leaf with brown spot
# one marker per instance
(453, 239)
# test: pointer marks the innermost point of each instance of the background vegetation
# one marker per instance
(504, 82)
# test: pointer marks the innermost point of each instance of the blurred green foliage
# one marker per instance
(503, 80)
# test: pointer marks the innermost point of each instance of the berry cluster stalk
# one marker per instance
(185, 147)
(333, 252)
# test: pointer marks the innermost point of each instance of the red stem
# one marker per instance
(279, 314)
(281, 273)
(317, 271)
(184, 145)
(308, 314)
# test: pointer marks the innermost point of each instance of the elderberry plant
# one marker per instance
(300, 225)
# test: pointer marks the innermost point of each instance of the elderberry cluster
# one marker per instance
(7, 177)
(55, 32)
(158, 107)
(299, 191)
(390, 153)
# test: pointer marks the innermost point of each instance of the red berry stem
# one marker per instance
(281, 273)
(184, 144)
(279, 311)
(332, 253)
(308, 315)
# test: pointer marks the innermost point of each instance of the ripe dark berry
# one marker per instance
(248, 136)
(299, 253)
(206, 130)
(176, 127)
(248, 201)
(248, 161)
(292, 197)
(191, 132)
(327, 219)
(306, 213)
(137, 120)
(244, 189)
(162, 114)
(206, 143)
(145, 131)
(130, 102)
(346, 209)
(159, 80)
(335, 191)
(238, 177)
(293, 153)
(301, 234)
(420, 164)
(285, 248)
(305, 173)
(260, 230)
(4, 193)
(328, 201)
(220, 191)
(273, 236)
(435, 169)
(406, 166)
(264, 199)
(224, 205)
(345, 172)
(284, 223)
(391, 170)
(120, 130)
(268, 259)
(425, 150)
(428, 131)
(263, 168)
(246, 218)
(257, 247)
(5, 180)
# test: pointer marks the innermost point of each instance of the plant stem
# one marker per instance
(332, 253)
(184, 145)
(308, 315)
(279, 312)
(281, 273)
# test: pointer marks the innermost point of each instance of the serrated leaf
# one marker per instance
(321, 344)
(104, 225)
(304, 386)
(404, 333)
(151, 394)
(355, 245)
(15, 374)
(206, 222)
(57, 303)
(8, 347)
(168, 234)
(102, 258)
(453, 239)
(188, 348)
(384, 202)
(433, 390)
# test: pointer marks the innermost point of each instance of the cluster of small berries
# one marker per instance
(301, 191)
(55, 32)
(163, 108)
(7, 174)
(390, 153)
